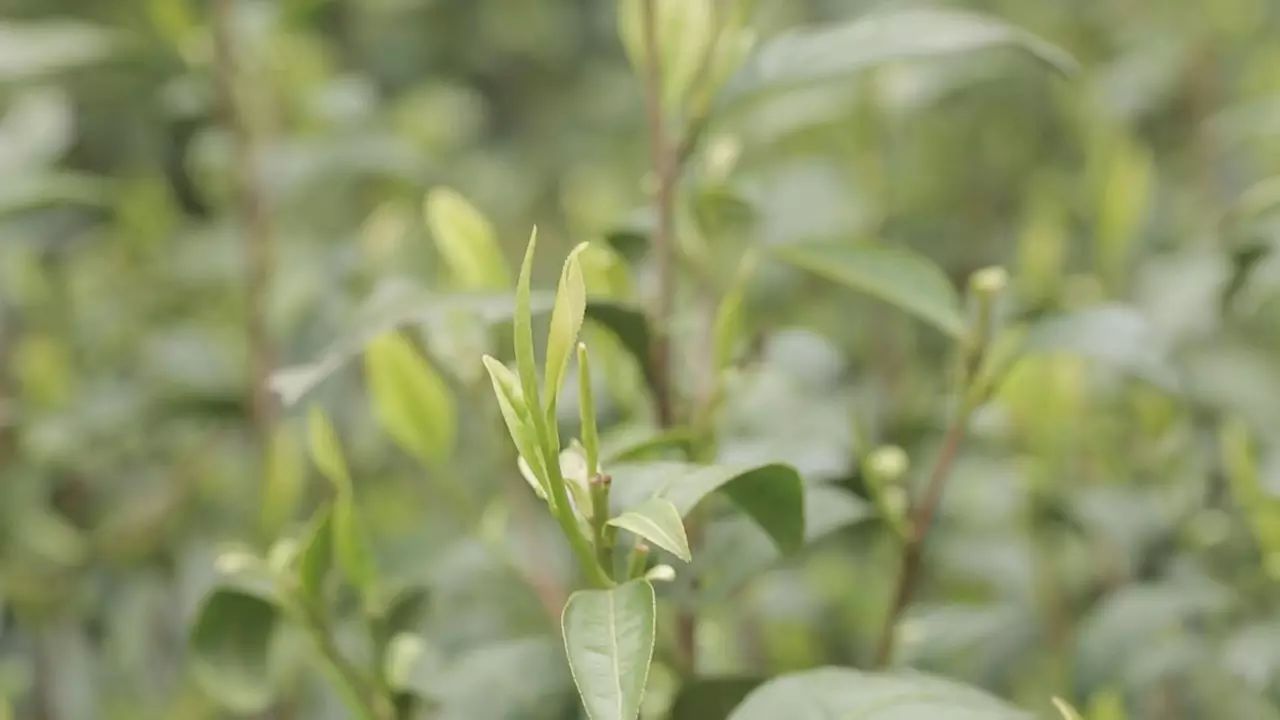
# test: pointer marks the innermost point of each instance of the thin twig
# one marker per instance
(921, 520)
(252, 217)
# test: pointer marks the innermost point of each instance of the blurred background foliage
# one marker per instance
(1111, 535)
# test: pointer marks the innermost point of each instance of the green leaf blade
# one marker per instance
(466, 241)
(231, 645)
(659, 522)
(326, 451)
(812, 56)
(410, 399)
(609, 637)
(894, 275)
(839, 692)
(566, 321)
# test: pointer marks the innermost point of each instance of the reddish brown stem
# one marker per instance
(921, 520)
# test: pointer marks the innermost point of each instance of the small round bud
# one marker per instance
(660, 573)
(989, 281)
(887, 464)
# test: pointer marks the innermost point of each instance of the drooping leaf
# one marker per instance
(773, 495)
(895, 275)
(810, 56)
(609, 636)
(828, 693)
(566, 321)
(659, 522)
(231, 647)
(326, 451)
(410, 399)
(466, 241)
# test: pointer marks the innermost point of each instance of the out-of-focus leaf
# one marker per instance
(659, 522)
(351, 545)
(466, 241)
(1065, 710)
(837, 692)
(684, 30)
(285, 477)
(315, 558)
(609, 636)
(727, 330)
(1116, 335)
(410, 399)
(815, 55)
(33, 49)
(412, 665)
(895, 275)
(392, 307)
(524, 678)
(630, 326)
(771, 494)
(326, 451)
(566, 321)
(712, 698)
(232, 646)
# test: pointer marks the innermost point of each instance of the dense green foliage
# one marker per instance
(934, 359)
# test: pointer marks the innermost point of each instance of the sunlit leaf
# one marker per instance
(410, 399)
(659, 522)
(837, 692)
(466, 241)
(515, 413)
(609, 636)
(1065, 710)
(566, 321)
(326, 451)
(895, 275)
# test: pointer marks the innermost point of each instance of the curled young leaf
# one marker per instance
(566, 321)
(515, 413)
(659, 522)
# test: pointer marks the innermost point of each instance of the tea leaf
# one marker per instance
(837, 692)
(609, 636)
(231, 646)
(315, 559)
(466, 241)
(566, 321)
(811, 56)
(526, 365)
(326, 452)
(351, 546)
(631, 327)
(410, 399)
(773, 495)
(659, 522)
(1065, 710)
(516, 416)
(895, 275)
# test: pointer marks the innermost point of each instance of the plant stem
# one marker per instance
(252, 217)
(563, 511)
(599, 516)
(921, 520)
(662, 155)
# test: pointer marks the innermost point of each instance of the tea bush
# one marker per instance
(890, 360)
